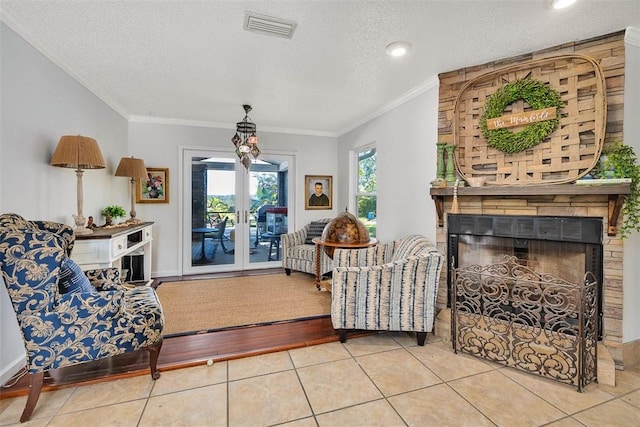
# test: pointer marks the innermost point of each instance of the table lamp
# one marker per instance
(79, 152)
(132, 168)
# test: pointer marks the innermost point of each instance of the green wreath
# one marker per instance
(538, 95)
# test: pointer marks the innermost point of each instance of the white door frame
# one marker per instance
(242, 234)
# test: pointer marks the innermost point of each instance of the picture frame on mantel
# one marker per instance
(318, 192)
(155, 188)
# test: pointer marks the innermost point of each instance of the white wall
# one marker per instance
(405, 138)
(39, 103)
(159, 146)
(630, 312)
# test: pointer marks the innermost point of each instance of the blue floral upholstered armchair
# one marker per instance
(67, 316)
(388, 287)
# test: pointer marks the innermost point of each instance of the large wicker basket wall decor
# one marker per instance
(567, 154)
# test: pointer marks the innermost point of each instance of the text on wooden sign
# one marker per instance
(520, 119)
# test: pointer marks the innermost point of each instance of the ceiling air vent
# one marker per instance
(268, 25)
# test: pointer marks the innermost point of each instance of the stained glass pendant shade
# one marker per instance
(245, 140)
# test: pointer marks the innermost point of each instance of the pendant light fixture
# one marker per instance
(245, 139)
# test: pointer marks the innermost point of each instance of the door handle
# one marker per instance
(238, 217)
(246, 216)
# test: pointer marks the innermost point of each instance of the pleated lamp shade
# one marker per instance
(131, 167)
(78, 152)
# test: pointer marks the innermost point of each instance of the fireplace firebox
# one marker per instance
(567, 247)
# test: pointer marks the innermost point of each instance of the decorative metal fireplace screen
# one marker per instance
(566, 247)
(536, 322)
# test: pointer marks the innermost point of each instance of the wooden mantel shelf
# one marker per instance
(617, 194)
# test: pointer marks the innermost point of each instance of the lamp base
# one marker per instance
(133, 221)
(82, 230)
(79, 228)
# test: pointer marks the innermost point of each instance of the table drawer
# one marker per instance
(118, 246)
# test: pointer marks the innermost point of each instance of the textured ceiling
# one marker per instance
(192, 61)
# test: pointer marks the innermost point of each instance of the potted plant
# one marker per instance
(619, 161)
(113, 211)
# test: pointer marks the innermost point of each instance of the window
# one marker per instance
(366, 198)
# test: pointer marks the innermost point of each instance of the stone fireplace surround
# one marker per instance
(595, 202)
(555, 199)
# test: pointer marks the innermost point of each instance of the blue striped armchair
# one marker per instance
(67, 316)
(388, 287)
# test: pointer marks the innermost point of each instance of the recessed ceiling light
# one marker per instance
(398, 48)
(561, 4)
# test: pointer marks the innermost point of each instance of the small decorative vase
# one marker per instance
(108, 220)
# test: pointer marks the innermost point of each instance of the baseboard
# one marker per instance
(631, 353)
(12, 368)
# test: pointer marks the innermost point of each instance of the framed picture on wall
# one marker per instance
(318, 192)
(155, 188)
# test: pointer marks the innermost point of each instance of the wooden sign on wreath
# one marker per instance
(537, 122)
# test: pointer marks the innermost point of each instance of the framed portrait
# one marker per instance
(155, 188)
(318, 192)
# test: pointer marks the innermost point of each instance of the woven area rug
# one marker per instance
(194, 306)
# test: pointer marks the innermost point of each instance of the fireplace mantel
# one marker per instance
(615, 192)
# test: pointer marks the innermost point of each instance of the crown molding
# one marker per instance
(42, 47)
(232, 126)
(632, 36)
(433, 82)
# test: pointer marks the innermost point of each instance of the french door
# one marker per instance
(233, 217)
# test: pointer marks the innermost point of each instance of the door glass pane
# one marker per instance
(213, 211)
(268, 209)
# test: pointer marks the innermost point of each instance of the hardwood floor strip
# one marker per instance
(190, 350)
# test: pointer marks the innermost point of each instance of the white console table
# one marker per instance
(107, 246)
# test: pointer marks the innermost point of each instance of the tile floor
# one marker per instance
(376, 380)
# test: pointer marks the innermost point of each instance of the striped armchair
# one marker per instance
(390, 287)
(298, 253)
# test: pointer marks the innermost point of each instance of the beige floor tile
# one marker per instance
(443, 362)
(194, 407)
(405, 339)
(39, 422)
(396, 371)
(437, 406)
(259, 365)
(610, 414)
(564, 397)
(337, 385)
(48, 405)
(626, 382)
(493, 393)
(322, 353)
(121, 414)
(266, 400)
(373, 414)
(304, 422)
(633, 398)
(108, 393)
(373, 343)
(565, 422)
(184, 379)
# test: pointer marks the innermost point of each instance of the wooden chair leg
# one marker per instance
(422, 336)
(154, 353)
(342, 333)
(35, 386)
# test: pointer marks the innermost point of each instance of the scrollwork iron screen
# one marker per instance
(535, 322)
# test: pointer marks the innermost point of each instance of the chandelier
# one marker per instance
(245, 139)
